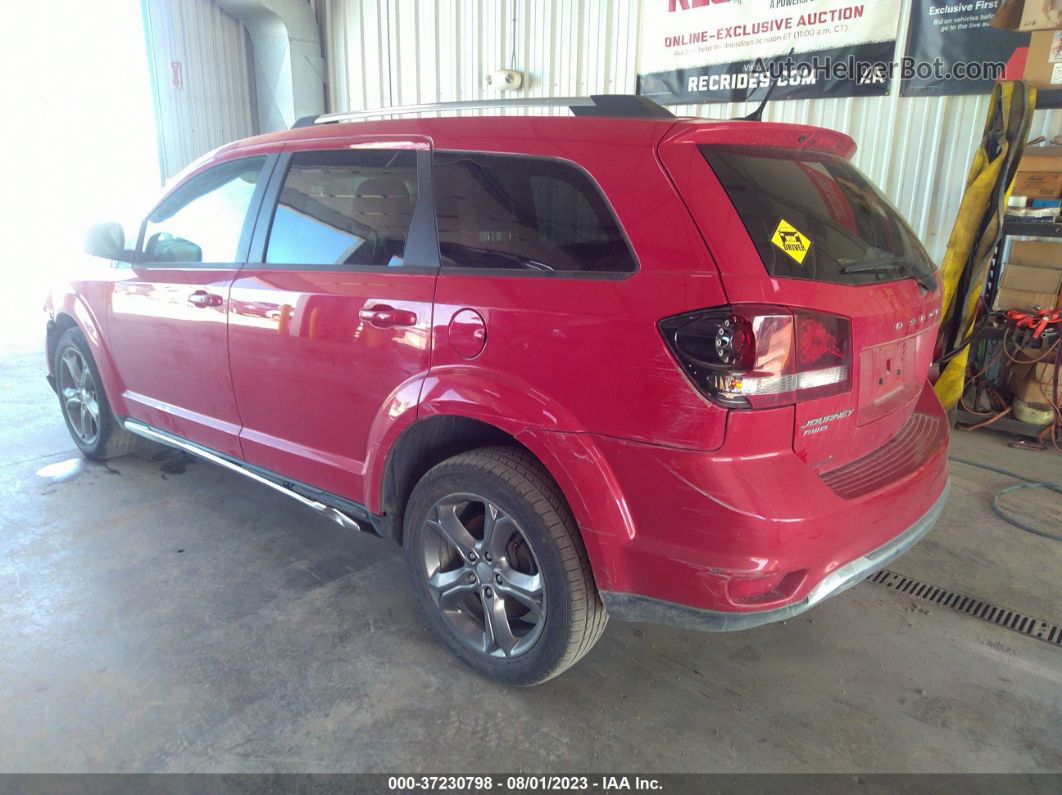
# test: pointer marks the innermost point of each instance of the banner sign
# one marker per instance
(732, 50)
(950, 44)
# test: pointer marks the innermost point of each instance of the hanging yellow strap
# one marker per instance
(973, 239)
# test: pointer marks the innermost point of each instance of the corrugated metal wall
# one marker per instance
(400, 52)
(212, 101)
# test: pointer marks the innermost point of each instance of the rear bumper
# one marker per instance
(750, 533)
(631, 607)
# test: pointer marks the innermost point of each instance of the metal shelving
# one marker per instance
(1031, 229)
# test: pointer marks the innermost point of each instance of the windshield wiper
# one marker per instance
(871, 263)
(891, 264)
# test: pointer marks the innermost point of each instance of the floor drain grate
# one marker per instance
(986, 611)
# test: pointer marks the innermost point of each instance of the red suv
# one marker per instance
(627, 364)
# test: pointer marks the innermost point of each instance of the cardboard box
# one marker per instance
(1038, 253)
(1030, 278)
(1043, 67)
(1039, 173)
(1034, 384)
(1041, 158)
(1025, 300)
(1035, 393)
(1037, 185)
(1024, 15)
(1044, 372)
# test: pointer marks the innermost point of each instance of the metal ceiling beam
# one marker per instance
(288, 67)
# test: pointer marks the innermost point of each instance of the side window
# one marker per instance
(524, 213)
(203, 219)
(345, 208)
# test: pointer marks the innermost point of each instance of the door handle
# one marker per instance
(384, 316)
(202, 298)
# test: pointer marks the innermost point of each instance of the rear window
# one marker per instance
(815, 216)
(524, 213)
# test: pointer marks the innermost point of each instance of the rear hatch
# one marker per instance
(793, 225)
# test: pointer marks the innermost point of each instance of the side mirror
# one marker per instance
(164, 247)
(106, 240)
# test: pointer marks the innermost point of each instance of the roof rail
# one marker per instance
(609, 105)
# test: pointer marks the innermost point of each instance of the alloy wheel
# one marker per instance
(78, 390)
(483, 575)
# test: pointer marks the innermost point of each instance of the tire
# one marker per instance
(463, 573)
(83, 402)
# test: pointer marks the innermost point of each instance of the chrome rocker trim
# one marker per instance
(170, 440)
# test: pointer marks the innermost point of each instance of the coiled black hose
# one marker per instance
(1028, 484)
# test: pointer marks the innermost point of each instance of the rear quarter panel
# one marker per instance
(585, 352)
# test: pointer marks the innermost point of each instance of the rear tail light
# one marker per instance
(748, 356)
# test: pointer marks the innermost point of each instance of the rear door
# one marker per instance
(167, 313)
(796, 225)
(331, 316)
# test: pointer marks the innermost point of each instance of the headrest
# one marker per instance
(383, 188)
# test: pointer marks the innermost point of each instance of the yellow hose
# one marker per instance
(977, 225)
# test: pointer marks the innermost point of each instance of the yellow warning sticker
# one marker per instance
(791, 241)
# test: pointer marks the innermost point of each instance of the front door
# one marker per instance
(330, 323)
(167, 313)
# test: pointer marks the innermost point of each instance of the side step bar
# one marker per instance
(336, 515)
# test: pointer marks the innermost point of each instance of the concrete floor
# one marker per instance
(161, 615)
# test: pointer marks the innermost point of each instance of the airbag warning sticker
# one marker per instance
(789, 240)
